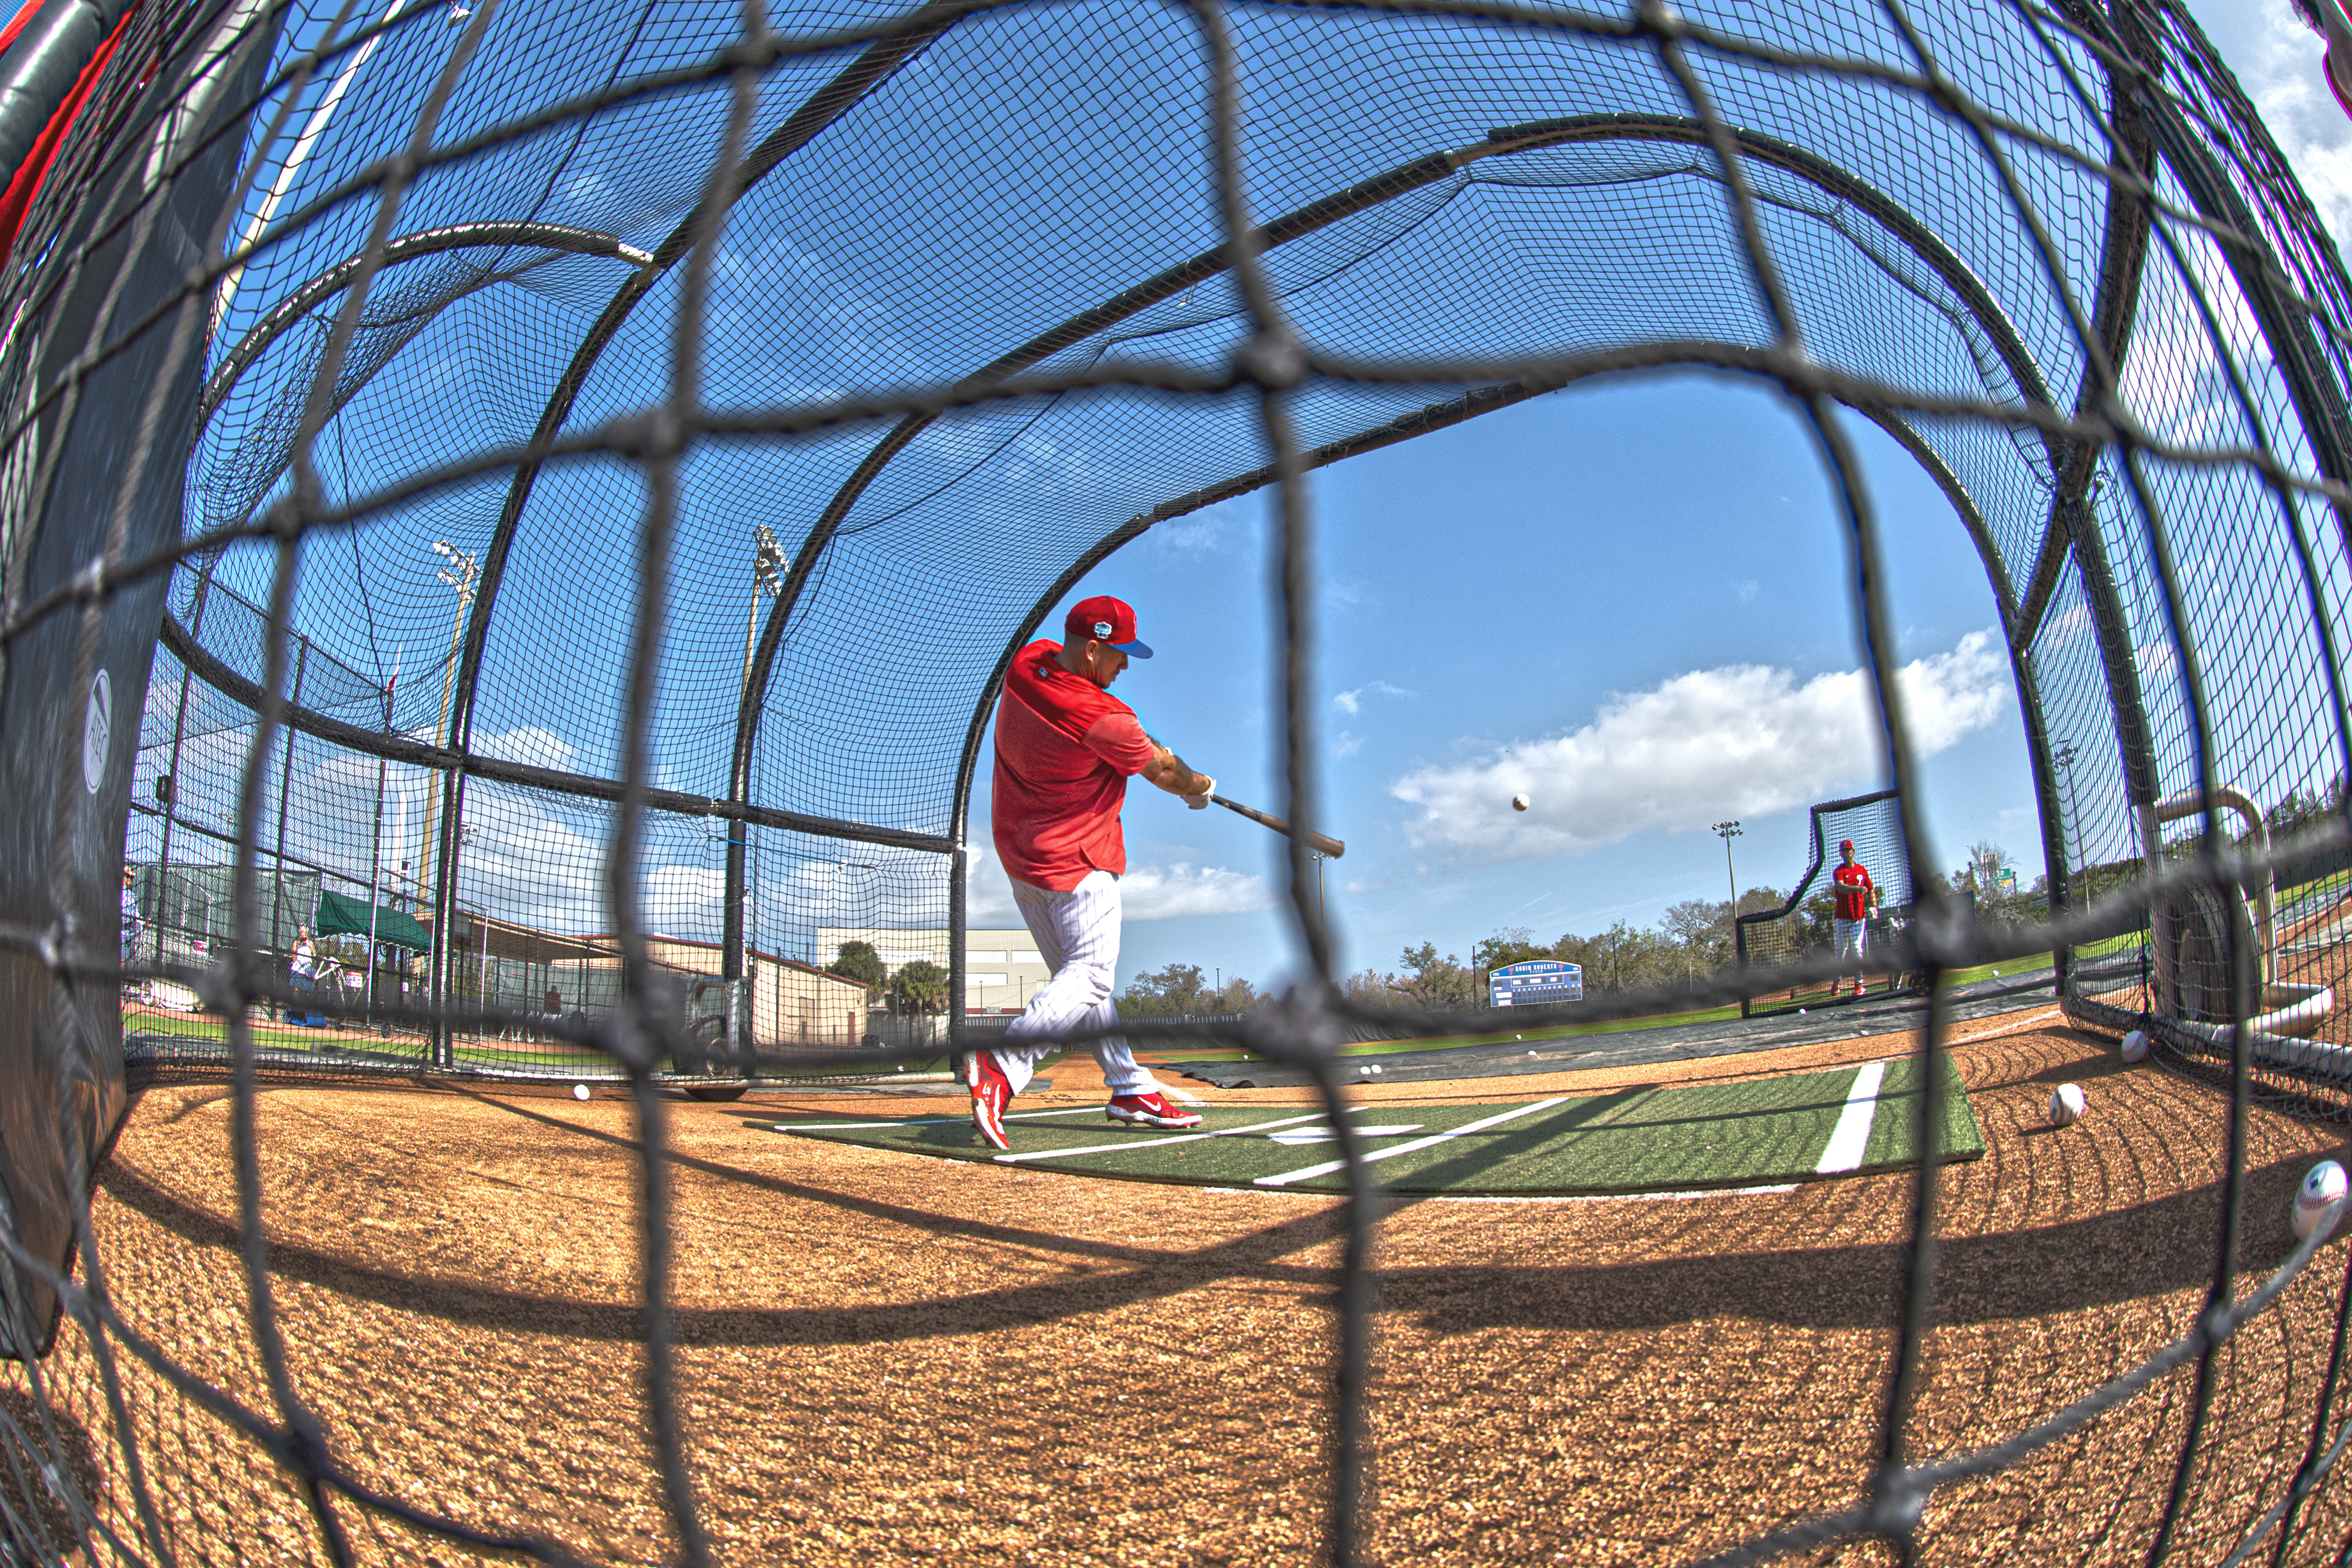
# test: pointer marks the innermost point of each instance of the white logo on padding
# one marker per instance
(97, 731)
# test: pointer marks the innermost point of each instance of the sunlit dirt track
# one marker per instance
(886, 1357)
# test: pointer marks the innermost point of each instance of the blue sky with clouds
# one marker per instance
(1630, 601)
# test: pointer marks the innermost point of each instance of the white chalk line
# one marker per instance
(2006, 1026)
(1401, 1199)
(1325, 1169)
(1683, 1195)
(925, 1121)
(1851, 1137)
(1134, 1144)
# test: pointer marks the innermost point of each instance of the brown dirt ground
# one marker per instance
(888, 1358)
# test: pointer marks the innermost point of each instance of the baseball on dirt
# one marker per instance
(1518, 803)
(579, 1091)
(2321, 1191)
(2135, 1046)
(2066, 1105)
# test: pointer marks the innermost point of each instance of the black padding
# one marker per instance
(39, 66)
(61, 840)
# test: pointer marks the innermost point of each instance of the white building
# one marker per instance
(1002, 966)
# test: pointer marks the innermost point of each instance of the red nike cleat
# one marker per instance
(1148, 1111)
(991, 1093)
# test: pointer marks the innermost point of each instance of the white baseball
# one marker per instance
(579, 1091)
(2066, 1105)
(1518, 803)
(2135, 1046)
(2322, 1191)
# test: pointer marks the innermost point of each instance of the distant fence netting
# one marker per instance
(559, 487)
(1805, 927)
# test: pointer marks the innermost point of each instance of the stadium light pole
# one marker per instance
(457, 574)
(2062, 754)
(767, 580)
(767, 583)
(1727, 831)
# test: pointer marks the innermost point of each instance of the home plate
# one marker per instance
(1324, 1134)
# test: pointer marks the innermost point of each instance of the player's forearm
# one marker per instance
(1169, 771)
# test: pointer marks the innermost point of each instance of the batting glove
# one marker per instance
(1201, 802)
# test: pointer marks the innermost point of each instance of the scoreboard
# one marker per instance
(1535, 984)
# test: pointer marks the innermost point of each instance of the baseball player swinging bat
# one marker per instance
(1316, 841)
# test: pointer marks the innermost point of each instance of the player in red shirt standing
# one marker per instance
(1065, 749)
(1856, 895)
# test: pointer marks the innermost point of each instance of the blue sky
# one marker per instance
(1487, 589)
(1630, 600)
(1501, 583)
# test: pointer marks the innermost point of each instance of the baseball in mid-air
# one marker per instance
(2322, 1190)
(2066, 1105)
(579, 1091)
(1518, 803)
(2135, 1046)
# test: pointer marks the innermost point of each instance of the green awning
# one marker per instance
(342, 916)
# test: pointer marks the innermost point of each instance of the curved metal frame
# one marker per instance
(874, 65)
(1810, 166)
(407, 247)
(2119, 283)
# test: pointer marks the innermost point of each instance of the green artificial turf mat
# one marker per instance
(1762, 1132)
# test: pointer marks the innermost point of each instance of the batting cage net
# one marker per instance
(1807, 926)
(553, 494)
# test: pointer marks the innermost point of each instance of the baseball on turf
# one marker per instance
(2321, 1191)
(2135, 1046)
(579, 1091)
(2066, 1105)
(1518, 803)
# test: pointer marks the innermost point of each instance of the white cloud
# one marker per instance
(531, 744)
(2277, 59)
(1739, 741)
(1353, 701)
(1209, 531)
(1145, 892)
(674, 893)
(1156, 893)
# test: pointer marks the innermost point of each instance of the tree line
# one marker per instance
(1692, 940)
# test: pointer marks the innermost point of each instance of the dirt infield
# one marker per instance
(889, 1358)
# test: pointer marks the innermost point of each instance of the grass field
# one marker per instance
(1759, 1132)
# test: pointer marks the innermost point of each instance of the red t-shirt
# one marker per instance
(1854, 887)
(1064, 751)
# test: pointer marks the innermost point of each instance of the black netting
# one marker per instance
(1807, 927)
(518, 423)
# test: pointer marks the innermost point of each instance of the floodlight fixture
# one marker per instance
(1727, 831)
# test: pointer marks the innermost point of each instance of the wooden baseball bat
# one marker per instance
(1315, 841)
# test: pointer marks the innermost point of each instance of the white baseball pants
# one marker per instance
(1078, 936)
(1853, 941)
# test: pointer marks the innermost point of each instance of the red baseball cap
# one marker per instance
(1105, 619)
(1845, 843)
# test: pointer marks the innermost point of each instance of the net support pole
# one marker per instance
(959, 874)
(285, 792)
(442, 1042)
(731, 937)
